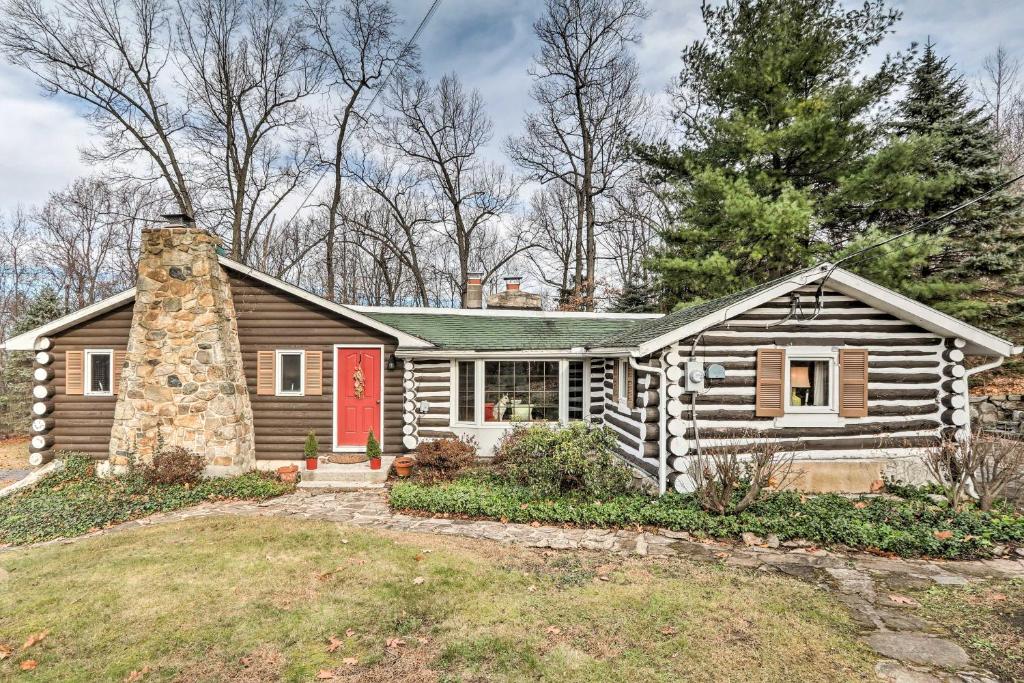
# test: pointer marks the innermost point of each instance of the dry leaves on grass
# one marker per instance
(5, 651)
(333, 643)
(137, 675)
(392, 643)
(349, 632)
(418, 580)
(29, 665)
(350, 661)
(897, 599)
(324, 675)
(554, 630)
(669, 630)
(943, 535)
(34, 639)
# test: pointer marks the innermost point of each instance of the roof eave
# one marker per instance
(26, 340)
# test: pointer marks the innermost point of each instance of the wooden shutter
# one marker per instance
(118, 362)
(265, 373)
(314, 373)
(74, 373)
(771, 383)
(853, 382)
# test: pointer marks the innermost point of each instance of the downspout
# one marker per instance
(662, 419)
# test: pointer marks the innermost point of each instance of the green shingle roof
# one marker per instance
(505, 333)
(652, 329)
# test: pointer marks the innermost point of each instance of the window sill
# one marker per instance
(830, 419)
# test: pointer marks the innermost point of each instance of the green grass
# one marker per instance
(904, 527)
(73, 500)
(215, 599)
(987, 619)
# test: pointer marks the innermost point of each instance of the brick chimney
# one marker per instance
(474, 290)
(183, 381)
(514, 298)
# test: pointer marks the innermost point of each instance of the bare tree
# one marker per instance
(110, 55)
(629, 221)
(553, 216)
(442, 130)
(1001, 93)
(999, 466)
(355, 40)
(246, 74)
(586, 84)
(751, 461)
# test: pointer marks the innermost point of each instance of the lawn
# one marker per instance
(987, 619)
(261, 599)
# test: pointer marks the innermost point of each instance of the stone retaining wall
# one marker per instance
(998, 411)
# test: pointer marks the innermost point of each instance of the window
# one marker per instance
(291, 368)
(810, 384)
(624, 382)
(576, 398)
(99, 373)
(521, 391)
(467, 391)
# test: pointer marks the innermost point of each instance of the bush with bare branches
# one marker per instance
(748, 466)
(980, 468)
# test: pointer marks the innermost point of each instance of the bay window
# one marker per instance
(507, 391)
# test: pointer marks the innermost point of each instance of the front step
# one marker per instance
(334, 476)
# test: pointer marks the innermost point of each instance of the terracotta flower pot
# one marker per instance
(311, 463)
(403, 466)
(374, 463)
(288, 473)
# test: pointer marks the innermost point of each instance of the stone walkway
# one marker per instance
(868, 585)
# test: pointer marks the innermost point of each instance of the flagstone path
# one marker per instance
(869, 586)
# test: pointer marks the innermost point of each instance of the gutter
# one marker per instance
(662, 419)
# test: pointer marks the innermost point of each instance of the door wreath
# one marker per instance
(358, 380)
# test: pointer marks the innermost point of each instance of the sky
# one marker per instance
(489, 44)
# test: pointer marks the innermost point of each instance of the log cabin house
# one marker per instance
(212, 355)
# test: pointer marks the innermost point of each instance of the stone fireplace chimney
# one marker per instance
(514, 298)
(182, 383)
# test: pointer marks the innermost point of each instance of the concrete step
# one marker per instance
(338, 485)
(329, 474)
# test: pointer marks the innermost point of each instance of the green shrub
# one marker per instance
(312, 446)
(905, 528)
(441, 459)
(574, 459)
(372, 447)
(72, 500)
(175, 465)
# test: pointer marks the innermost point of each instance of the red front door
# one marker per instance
(357, 392)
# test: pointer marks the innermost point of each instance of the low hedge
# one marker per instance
(907, 528)
(72, 500)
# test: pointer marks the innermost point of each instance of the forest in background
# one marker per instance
(304, 133)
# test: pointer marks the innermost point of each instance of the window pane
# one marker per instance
(99, 373)
(808, 382)
(291, 372)
(467, 391)
(521, 391)
(575, 390)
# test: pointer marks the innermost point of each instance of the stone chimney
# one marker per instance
(514, 298)
(474, 290)
(183, 382)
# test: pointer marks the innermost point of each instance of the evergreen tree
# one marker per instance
(975, 258)
(783, 154)
(16, 396)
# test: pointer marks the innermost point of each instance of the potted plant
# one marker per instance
(288, 473)
(403, 465)
(310, 450)
(373, 451)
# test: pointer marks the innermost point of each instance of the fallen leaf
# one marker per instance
(504, 520)
(523, 506)
(903, 600)
(422, 640)
(554, 630)
(5, 651)
(395, 642)
(419, 558)
(721, 556)
(427, 550)
(325, 675)
(603, 577)
(531, 589)
(35, 638)
(669, 630)
(349, 633)
(418, 580)
(534, 524)
(334, 643)
(29, 664)
(344, 540)
(350, 661)
(943, 535)
(137, 675)
(860, 505)
(997, 597)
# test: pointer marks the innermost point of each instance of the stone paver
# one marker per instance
(862, 582)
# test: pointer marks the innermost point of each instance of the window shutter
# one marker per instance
(265, 373)
(74, 375)
(771, 383)
(314, 373)
(118, 361)
(853, 382)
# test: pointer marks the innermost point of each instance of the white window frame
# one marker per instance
(478, 388)
(87, 371)
(623, 389)
(278, 366)
(814, 354)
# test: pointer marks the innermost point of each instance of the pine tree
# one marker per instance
(16, 395)
(783, 156)
(976, 254)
